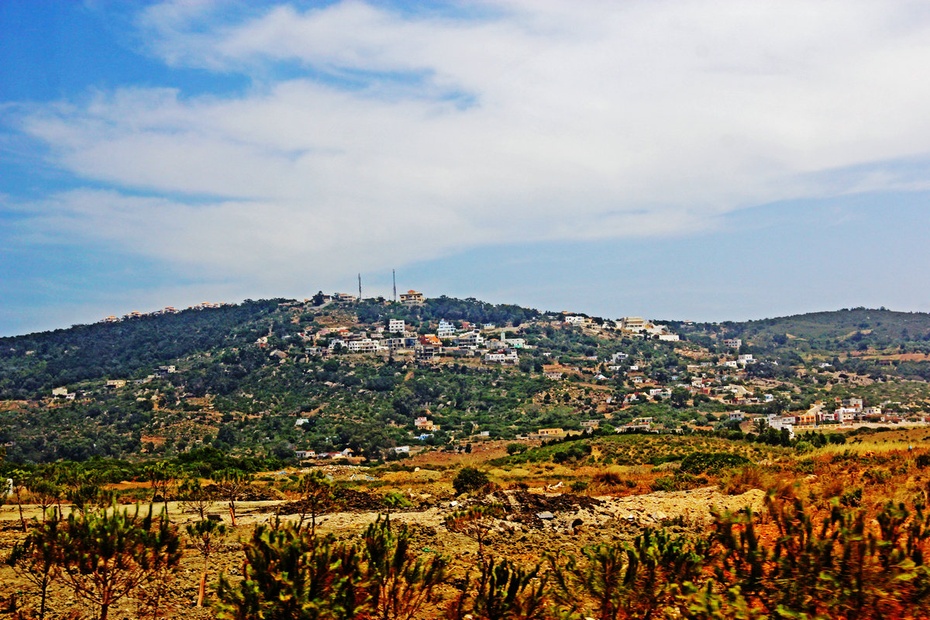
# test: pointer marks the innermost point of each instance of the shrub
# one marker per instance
(711, 462)
(742, 480)
(469, 479)
(290, 574)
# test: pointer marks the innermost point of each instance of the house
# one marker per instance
(808, 418)
(427, 352)
(502, 356)
(402, 450)
(574, 319)
(853, 403)
(736, 415)
(446, 329)
(513, 343)
(669, 337)
(424, 424)
(470, 339)
(637, 424)
(396, 326)
(732, 343)
(632, 324)
(745, 360)
(845, 414)
(548, 433)
(412, 298)
(365, 345)
(304, 454)
(116, 383)
(60, 391)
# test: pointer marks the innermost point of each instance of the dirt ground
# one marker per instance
(534, 522)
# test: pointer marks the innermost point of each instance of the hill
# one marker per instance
(272, 377)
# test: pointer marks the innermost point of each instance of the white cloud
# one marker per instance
(402, 137)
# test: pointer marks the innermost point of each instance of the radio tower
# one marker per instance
(359, 288)
(394, 277)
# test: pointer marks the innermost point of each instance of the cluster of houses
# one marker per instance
(464, 340)
(135, 314)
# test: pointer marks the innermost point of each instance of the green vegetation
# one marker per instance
(259, 381)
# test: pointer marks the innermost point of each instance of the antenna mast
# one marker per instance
(359, 288)
(394, 277)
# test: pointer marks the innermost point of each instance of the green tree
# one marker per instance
(291, 575)
(107, 555)
(400, 583)
(469, 479)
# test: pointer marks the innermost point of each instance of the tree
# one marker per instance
(502, 591)
(400, 583)
(106, 555)
(37, 558)
(316, 496)
(392, 501)
(44, 492)
(231, 483)
(680, 397)
(469, 479)
(195, 497)
(475, 522)
(203, 536)
(290, 575)
(160, 476)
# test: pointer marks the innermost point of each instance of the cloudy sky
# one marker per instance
(704, 160)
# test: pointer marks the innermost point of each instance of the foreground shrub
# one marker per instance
(292, 574)
(614, 581)
(107, 555)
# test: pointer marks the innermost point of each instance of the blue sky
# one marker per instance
(716, 160)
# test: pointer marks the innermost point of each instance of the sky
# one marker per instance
(706, 160)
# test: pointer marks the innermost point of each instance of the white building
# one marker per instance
(446, 329)
(508, 356)
(396, 326)
(364, 345)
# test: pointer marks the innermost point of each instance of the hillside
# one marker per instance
(272, 377)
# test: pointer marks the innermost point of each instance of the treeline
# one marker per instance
(32, 365)
(449, 308)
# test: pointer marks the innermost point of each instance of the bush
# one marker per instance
(711, 462)
(469, 479)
